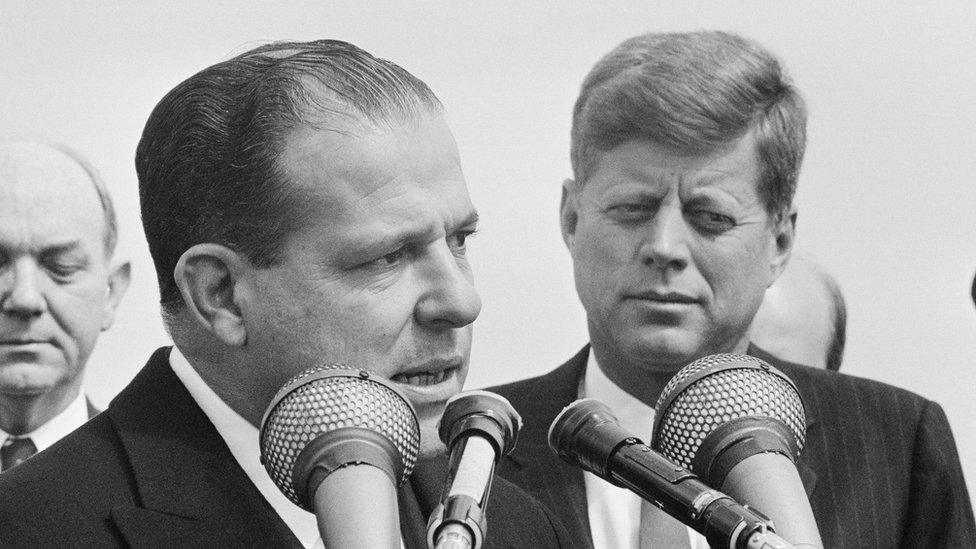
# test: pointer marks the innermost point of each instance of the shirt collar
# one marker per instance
(614, 512)
(632, 414)
(72, 417)
(242, 439)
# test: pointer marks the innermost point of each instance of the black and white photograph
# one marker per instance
(445, 274)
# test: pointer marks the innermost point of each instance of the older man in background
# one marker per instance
(58, 290)
(803, 317)
(686, 150)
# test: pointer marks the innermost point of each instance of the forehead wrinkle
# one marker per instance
(348, 167)
(47, 248)
(720, 184)
(423, 217)
(39, 223)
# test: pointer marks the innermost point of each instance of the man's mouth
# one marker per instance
(661, 296)
(14, 341)
(423, 379)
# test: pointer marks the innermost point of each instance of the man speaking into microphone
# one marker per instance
(686, 151)
(304, 205)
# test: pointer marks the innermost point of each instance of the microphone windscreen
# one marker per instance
(484, 412)
(324, 399)
(717, 390)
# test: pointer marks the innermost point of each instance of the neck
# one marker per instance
(23, 414)
(221, 369)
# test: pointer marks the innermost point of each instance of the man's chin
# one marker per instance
(431, 446)
(665, 353)
(430, 440)
(23, 380)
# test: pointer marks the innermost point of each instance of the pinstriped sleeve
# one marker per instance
(941, 514)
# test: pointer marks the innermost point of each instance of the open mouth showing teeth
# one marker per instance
(422, 378)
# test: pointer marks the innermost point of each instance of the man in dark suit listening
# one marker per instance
(304, 204)
(59, 288)
(686, 150)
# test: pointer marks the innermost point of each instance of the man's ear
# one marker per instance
(207, 276)
(784, 235)
(569, 211)
(118, 283)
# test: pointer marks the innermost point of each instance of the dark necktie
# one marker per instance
(15, 450)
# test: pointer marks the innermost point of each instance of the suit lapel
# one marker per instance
(418, 497)
(533, 466)
(190, 487)
(413, 525)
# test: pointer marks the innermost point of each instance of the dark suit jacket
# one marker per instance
(880, 465)
(151, 471)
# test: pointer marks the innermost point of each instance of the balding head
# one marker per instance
(44, 164)
(803, 317)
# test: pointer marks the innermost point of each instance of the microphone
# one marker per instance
(337, 442)
(477, 427)
(738, 423)
(586, 434)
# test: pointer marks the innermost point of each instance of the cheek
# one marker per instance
(79, 313)
(598, 252)
(355, 323)
(737, 276)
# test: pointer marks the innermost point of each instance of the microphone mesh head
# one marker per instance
(716, 389)
(326, 398)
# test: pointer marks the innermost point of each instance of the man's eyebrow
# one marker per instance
(60, 248)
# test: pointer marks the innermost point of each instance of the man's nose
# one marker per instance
(665, 244)
(20, 291)
(449, 299)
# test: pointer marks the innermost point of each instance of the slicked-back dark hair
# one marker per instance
(207, 160)
(696, 92)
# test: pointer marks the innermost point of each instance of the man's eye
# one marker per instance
(631, 211)
(459, 241)
(386, 261)
(62, 270)
(712, 222)
(392, 258)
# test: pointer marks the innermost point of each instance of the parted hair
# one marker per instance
(696, 92)
(207, 161)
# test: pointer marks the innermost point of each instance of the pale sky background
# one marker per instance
(887, 197)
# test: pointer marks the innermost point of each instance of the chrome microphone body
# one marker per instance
(739, 424)
(337, 442)
(477, 427)
(586, 434)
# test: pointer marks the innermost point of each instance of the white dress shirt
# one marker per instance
(614, 512)
(72, 417)
(242, 439)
